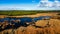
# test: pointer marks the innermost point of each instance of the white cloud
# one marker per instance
(46, 3)
(50, 4)
(44, 0)
(57, 3)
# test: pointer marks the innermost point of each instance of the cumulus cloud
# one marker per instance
(57, 3)
(46, 3)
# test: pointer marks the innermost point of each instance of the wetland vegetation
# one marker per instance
(24, 12)
(47, 22)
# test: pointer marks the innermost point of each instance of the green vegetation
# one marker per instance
(23, 12)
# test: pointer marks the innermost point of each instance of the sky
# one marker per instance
(29, 4)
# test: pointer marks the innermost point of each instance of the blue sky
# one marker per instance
(28, 5)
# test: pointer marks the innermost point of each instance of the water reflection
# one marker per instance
(17, 22)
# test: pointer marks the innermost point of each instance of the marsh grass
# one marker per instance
(24, 12)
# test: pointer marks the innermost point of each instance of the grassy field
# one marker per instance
(23, 12)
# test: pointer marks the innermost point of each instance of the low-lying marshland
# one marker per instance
(32, 22)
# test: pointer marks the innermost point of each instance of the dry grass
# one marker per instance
(53, 29)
